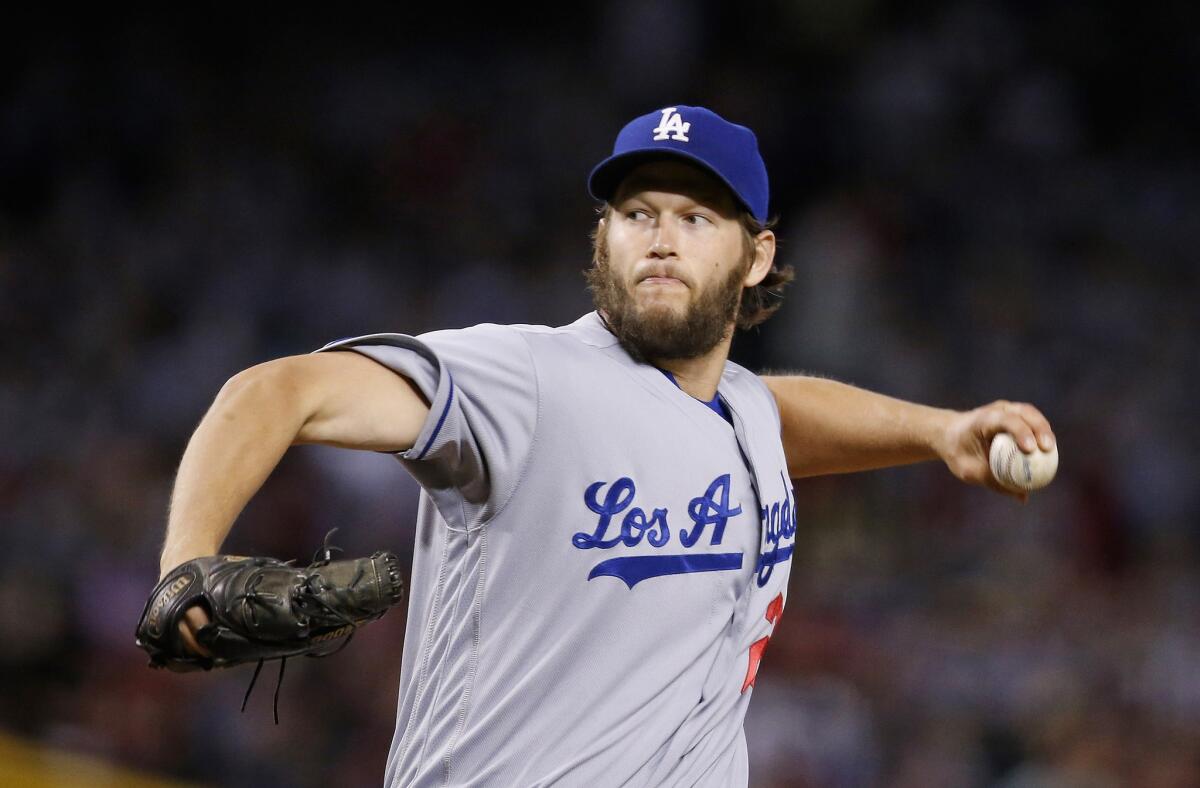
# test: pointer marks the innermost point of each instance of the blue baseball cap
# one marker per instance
(725, 149)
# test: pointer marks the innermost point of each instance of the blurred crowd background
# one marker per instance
(981, 200)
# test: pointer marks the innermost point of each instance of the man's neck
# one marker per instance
(698, 376)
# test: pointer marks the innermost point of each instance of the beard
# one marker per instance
(658, 332)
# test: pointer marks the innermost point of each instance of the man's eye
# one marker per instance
(636, 215)
(697, 219)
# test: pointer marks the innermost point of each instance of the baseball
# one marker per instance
(1018, 471)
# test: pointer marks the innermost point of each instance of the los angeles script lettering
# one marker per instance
(710, 509)
(779, 521)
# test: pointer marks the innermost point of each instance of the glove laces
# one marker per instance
(278, 684)
(322, 557)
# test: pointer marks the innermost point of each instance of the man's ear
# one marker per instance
(764, 258)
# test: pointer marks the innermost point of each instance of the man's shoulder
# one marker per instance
(588, 329)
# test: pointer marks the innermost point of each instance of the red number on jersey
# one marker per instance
(774, 612)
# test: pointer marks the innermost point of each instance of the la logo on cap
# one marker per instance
(672, 124)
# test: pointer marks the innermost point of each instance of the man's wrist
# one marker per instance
(935, 434)
(176, 556)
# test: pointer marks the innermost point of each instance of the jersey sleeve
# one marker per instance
(481, 384)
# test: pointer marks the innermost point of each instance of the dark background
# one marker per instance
(981, 200)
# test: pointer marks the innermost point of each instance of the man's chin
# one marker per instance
(661, 305)
(661, 320)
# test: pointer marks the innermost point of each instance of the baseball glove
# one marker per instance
(262, 609)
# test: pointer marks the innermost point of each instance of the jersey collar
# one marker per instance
(591, 331)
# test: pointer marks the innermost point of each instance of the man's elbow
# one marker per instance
(277, 384)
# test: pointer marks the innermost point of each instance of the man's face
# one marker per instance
(671, 262)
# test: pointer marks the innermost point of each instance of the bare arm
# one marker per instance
(337, 399)
(831, 427)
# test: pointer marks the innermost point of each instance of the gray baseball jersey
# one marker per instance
(600, 561)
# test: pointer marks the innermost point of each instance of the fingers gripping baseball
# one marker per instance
(970, 434)
(1024, 422)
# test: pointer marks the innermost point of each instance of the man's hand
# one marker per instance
(194, 619)
(967, 437)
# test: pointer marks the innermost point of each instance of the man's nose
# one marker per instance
(664, 244)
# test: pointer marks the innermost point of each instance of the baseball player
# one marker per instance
(607, 519)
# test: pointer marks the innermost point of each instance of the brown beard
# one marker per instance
(658, 333)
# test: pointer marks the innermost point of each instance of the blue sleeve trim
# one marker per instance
(441, 420)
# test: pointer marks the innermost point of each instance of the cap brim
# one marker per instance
(606, 177)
